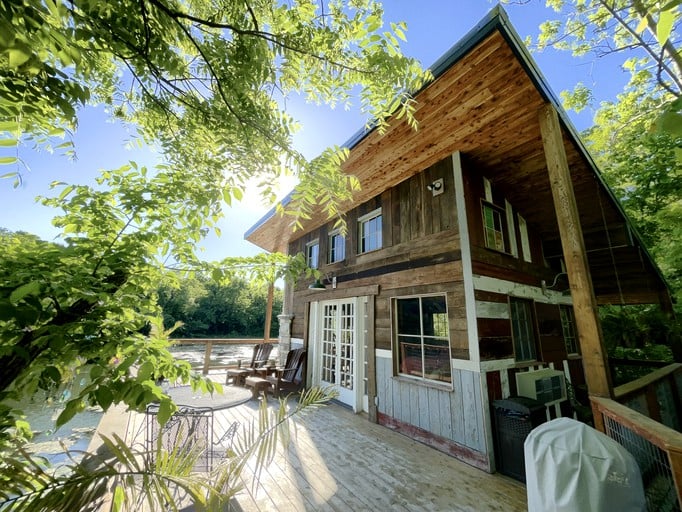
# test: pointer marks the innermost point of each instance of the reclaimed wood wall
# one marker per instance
(450, 420)
(420, 254)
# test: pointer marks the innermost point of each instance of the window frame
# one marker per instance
(423, 374)
(571, 341)
(333, 250)
(310, 246)
(529, 345)
(501, 212)
(376, 235)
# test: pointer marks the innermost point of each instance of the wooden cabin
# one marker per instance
(453, 276)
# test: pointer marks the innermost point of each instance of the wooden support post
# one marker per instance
(675, 459)
(207, 356)
(268, 312)
(595, 360)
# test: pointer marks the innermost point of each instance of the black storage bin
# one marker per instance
(515, 417)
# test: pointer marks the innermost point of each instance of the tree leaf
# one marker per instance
(642, 26)
(72, 407)
(664, 26)
(18, 56)
(24, 290)
(104, 397)
(165, 411)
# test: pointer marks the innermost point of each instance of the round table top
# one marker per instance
(231, 397)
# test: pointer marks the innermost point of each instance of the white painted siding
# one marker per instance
(455, 415)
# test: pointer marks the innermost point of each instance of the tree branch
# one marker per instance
(677, 59)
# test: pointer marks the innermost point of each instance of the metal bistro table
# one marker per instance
(191, 427)
(231, 397)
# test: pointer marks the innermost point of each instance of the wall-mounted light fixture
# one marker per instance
(546, 287)
(321, 283)
(436, 186)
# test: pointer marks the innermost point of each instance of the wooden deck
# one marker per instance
(339, 461)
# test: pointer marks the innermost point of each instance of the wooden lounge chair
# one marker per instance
(261, 352)
(287, 379)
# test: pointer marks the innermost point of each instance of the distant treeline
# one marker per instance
(207, 309)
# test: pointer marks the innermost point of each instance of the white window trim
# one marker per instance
(487, 190)
(513, 247)
(394, 339)
(503, 225)
(365, 218)
(525, 244)
(331, 235)
(307, 258)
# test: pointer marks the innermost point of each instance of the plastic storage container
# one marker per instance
(515, 417)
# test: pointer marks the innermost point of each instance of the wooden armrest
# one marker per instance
(280, 371)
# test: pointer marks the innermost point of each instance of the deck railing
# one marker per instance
(637, 425)
(213, 342)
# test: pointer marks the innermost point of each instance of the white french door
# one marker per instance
(337, 348)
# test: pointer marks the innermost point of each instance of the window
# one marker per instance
(493, 226)
(312, 254)
(422, 334)
(568, 329)
(369, 232)
(525, 244)
(523, 330)
(337, 247)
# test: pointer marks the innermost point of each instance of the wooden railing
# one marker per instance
(656, 395)
(637, 424)
(211, 343)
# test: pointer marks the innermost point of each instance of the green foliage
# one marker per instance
(28, 485)
(643, 170)
(205, 81)
(647, 31)
(210, 309)
(640, 333)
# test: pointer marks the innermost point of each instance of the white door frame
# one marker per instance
(355, 397)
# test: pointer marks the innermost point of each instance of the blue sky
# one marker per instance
(433, 27)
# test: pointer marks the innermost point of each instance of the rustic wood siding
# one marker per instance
(455, 415)
(420, 254)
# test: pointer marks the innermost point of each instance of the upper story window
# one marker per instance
(493, 226)
(369, 232)
(568, 329)
(523, 329)
(422, 337)
(312, 254)
(337, 247)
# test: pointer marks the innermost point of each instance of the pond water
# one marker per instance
(42, 411)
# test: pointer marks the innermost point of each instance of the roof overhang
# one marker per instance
(484, 102)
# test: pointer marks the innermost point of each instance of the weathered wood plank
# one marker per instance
(424, 412)
(470, 407)
(433, 398)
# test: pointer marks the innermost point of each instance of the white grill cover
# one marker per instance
(573, 467)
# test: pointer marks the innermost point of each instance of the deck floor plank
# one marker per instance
(338, 461)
